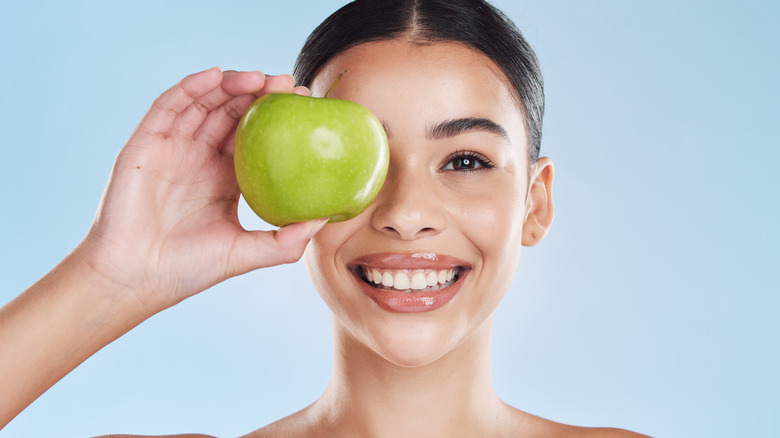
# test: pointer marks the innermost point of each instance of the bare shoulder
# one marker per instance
(295, 425)
(186, 435)
(606, 432)
(541, 427)
(567, 431)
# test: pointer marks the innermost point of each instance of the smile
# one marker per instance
(409, 283)
(409, 280)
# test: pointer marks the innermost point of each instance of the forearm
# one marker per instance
(54, 326)
(163, 232)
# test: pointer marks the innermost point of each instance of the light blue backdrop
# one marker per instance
(652, 305)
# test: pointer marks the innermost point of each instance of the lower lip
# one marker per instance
(414, 302)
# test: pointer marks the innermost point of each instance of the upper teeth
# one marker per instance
(409, 279)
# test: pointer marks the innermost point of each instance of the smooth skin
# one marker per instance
(428, 374)
(424, 374)
(166, 229)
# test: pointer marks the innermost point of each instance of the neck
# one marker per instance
(370, 396)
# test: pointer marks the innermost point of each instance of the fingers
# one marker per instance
(167, 107)
(219, 123)
(277, 84)
(233, 84)
(188, 102)
(236, 83)
(260, 249)
(303, 91)
(218, 129)
(229, 143)
(206, 106)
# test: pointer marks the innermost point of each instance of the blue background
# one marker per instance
(652, 305)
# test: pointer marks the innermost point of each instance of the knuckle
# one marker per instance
(160, 104)
(231, 112)
(200, 107)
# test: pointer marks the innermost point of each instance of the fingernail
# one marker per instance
(316, 227)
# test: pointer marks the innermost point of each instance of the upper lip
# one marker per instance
(409, 260)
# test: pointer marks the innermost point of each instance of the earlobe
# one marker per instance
(539, 203)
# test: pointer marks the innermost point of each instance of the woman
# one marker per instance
(412, 282)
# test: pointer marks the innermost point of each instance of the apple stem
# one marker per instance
(338, 78)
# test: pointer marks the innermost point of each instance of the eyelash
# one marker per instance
(482, 161)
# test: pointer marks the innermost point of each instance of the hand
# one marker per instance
(167, 226)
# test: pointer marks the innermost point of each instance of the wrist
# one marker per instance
(109, 282)
(56, 324)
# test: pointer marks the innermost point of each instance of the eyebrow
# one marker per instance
(454, 127)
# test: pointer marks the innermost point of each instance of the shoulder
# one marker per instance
(186, 435)
(605, 432)
(535, 426)
(542, 427)
(567, 431)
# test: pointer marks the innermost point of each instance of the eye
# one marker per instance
(467, 161)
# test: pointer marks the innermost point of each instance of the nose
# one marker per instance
(407, 207)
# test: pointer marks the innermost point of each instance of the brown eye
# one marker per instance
(466, 161)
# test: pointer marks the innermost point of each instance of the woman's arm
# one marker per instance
(166, 228)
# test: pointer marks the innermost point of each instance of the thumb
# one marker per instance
(261, 249)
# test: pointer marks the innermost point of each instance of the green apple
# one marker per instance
(299, 158)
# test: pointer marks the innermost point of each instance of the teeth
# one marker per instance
(387, 279)
(418, 281)
(432, 278)
(410, 279)
(401, 281)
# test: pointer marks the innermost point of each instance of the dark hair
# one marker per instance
(474, 23)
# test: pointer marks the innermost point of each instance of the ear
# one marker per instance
(539, 204)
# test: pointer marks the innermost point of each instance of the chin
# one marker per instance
(409, 323)
(413, 350)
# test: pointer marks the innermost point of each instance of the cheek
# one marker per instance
(313, 259)
(492, 223)
(320, 262)
(326, 263)
(327, 245)
(492, 219)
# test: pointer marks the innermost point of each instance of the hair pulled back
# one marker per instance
(475, 23)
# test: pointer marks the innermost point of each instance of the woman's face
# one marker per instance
(430, 259)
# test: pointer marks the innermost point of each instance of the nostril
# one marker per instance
(407, 218)
(420, 232)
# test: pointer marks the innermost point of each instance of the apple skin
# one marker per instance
(299, 158)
